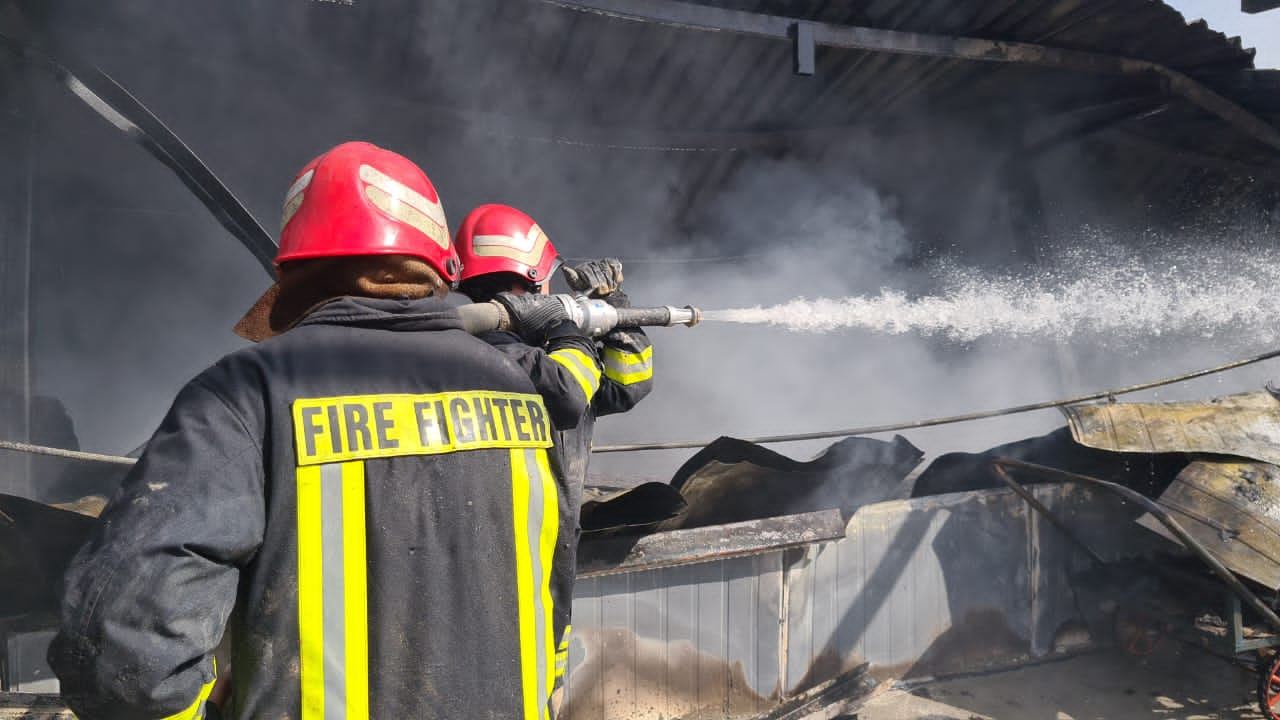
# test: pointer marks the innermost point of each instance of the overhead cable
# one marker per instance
(949, 419)
(796, 437)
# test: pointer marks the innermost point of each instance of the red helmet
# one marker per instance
(501, 239)
(358, 199)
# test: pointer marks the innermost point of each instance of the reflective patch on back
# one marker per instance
(359, 427)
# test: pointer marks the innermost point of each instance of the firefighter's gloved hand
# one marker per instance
(533, 315)
(618, 299)
(596, 278)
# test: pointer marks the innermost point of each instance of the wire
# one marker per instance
(872, 429)
(69, 454)
(869, 430)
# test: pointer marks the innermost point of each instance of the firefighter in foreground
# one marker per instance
(368, 495)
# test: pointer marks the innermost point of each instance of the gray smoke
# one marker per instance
(1102, 310)
(136, 287)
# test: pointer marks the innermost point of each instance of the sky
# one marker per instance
(1261, 31)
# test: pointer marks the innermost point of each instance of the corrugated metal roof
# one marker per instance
(537, 70)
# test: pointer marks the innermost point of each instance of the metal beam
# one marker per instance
(613, 555)
(805, 48)
(127, 114)
(713, 19)
(17, 128)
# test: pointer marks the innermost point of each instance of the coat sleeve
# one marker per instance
(627, 359)
(566, 371)
(148, 596)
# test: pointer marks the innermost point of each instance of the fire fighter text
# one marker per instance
(356, 427)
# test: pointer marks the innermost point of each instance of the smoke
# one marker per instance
(939, 302)
(901, 338)
(136, 288)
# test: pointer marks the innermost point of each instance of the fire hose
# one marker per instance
(594, 317)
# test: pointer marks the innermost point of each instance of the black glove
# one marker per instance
(618, 299)
(597, 278)
(533, 315)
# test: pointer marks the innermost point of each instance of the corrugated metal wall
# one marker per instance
(928, 586)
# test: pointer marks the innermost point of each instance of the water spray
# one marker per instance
(1178, 294)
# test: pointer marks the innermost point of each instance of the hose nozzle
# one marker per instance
(595, 317)
(687, 315)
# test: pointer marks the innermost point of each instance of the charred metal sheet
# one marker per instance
(37, 543)
(695, 545)
(733, 480)
(1246, 425)
(632, 510)
(1257, 6)
(1233, 509)
(1148, 473)
(22, 706)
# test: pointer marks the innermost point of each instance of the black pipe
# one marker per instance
(1159, 513)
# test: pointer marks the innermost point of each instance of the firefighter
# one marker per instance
(365, 500)
(507, 257)
(505, 253)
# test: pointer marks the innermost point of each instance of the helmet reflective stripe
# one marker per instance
(293, 198)
(525, 247)
(405, 205)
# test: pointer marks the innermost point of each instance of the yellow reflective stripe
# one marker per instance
(562, 653)
(355, 590)
(627, 368)
(629, 358)
(310, 593)
(582, 367)
(524, 586)
(195, 711)
(628, 378)
(550, 534)
(333, 592)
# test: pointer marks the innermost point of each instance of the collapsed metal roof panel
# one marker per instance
(1245, 425)
(1233, 509)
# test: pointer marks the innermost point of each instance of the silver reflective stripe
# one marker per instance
(537, 516)
(335, 635)
(588, 376)
(626, 363)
